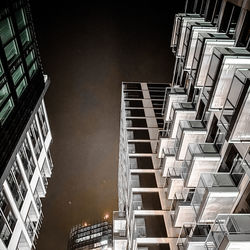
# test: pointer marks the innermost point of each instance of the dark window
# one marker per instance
(230, 17)
(135, 112)
(133, 94)
(200, 111)
(141, 163)
(213, 130)
(230, 159)
(135, 86)
(139, 134)
(133, 103)
(136, 123)
(140, 147)
(245, 32)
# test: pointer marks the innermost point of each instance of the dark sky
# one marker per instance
(87, 50)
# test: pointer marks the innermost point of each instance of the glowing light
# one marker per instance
(85, 224)
(106, 216)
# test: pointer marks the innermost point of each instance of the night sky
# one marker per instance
(88, 50)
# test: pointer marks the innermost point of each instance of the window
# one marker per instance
(5, 30)
(245, 32)
(230, 17)
(27, 160)
(213, 130)
(35, 138)
(42, 122)
(29, 58)
(4, 92)
(33, 69)
(20, 19)
(1, 69)
(25, 37)
(17, 74)
(16, 185)
(6, 110)
(21, 87)
(11, 51)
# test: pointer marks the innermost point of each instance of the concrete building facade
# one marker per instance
(184, 157)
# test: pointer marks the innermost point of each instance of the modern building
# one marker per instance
(25, 161)
(87, 237)
(184, 157)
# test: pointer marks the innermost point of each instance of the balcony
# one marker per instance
(175, 181)
(229, 232)
(193, 236)
(173, 95)
(199, 158)
(215, 194)
(180, 23)
(119, 225)
(203, 53)
(235, 113)
(168, 160)
(181, 111)
(190, 40)
(189, 132)
(223, 64)
(181, 209)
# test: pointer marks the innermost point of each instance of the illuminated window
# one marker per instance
(6, 110)
(29, 58)
(32, 69)
(5, 30)
(20, 19)
(4, 92)
(25, 37)
(17, 74)
(1, 69)
(21, 87)
(11, 51)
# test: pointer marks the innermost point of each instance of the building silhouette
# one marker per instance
(183, 177)
(25, 160)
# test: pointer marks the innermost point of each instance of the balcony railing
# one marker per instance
(234, 225)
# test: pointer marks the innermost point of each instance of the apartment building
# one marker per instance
(25, 160)
(98, 236)
(184, 147)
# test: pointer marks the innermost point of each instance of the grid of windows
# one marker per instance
(16, 39)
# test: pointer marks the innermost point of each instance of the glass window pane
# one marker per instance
(5, 30)
(214, 66)
(17, 74)
(11, 51)
(235, 91)
(4, 92)
(6, 110)
(21, 87)
(30, 58)
(1, 69)
(25, 37)
(20, 19)
(33, 69)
